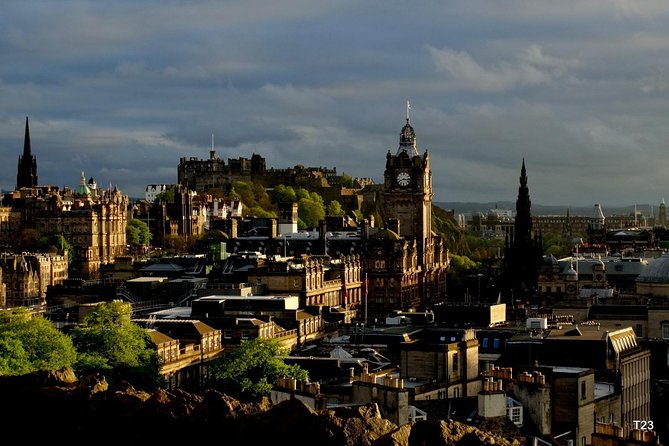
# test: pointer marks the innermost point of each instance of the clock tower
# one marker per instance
(407, 193)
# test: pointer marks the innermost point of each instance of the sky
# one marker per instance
(121, 90)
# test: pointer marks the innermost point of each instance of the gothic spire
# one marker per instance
(523, 223)
(26, 142)
(27, 170)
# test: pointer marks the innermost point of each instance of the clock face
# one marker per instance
(403, 179)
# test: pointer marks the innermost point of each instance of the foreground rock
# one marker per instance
(58, 408)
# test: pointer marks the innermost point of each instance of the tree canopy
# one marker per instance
(254, 198)
(110, 343)
(137, 233)
(250, 371)
(335, 208)
(29, 343)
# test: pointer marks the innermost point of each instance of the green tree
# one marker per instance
(302, 193)
(456, 276)
(310, 211)
(110, 343)
(335, 208)
(346, 180)
(52, 243)
(251, 370)
(166, 196)
(29, 343)
(137, 233)
(283, 193)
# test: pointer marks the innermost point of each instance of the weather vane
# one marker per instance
(408, 108)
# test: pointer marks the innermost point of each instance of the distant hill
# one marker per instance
(538, 209)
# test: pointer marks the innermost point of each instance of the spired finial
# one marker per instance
(408, 109)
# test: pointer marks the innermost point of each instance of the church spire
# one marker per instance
(26, 142)
(27, 170)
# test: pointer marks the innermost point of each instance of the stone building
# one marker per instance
(615, 355)
(25, 277)
(405, 261)
(445, 359)
(92, 220)
(563, 401)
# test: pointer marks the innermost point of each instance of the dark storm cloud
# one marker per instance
(121, 90)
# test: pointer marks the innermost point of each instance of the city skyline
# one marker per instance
(123, 90)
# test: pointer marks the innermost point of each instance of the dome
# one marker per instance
(407, 140)
(82, 190)
(657, 270)
(571, 272)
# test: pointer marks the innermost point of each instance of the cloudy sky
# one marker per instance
(122, 89)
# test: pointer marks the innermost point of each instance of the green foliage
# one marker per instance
(52, 243)
(250, 371)
(459, 275)
(335, 208)
(110, 343)
(258, 211)
(283, 193)
(462, 264)
(254, 198)
(311, 211)
(358, 214)
(445, 225)
(166, 196)
(556, 251)
(480, 248)
(137, 233)
(346, 180)
(302, 193)
(30, 343)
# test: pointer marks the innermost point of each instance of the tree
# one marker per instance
(334, 208)
(52, 243)
(137, 233)
(283, 193)
(310, 212)
(346, 180)
(110, 343)
(166, 196)
(251, 370)
(29, 343)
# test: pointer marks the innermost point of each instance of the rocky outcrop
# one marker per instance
(58, 408)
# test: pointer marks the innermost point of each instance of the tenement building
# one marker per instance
(92, 220)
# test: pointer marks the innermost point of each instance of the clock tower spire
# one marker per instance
(407, 191)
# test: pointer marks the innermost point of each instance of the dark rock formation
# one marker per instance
(57, 408)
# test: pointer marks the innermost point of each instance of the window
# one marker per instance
(665, 330)
(583, 390)
(495, 343)
(485, 343)
(639, 330)
(456, 360)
